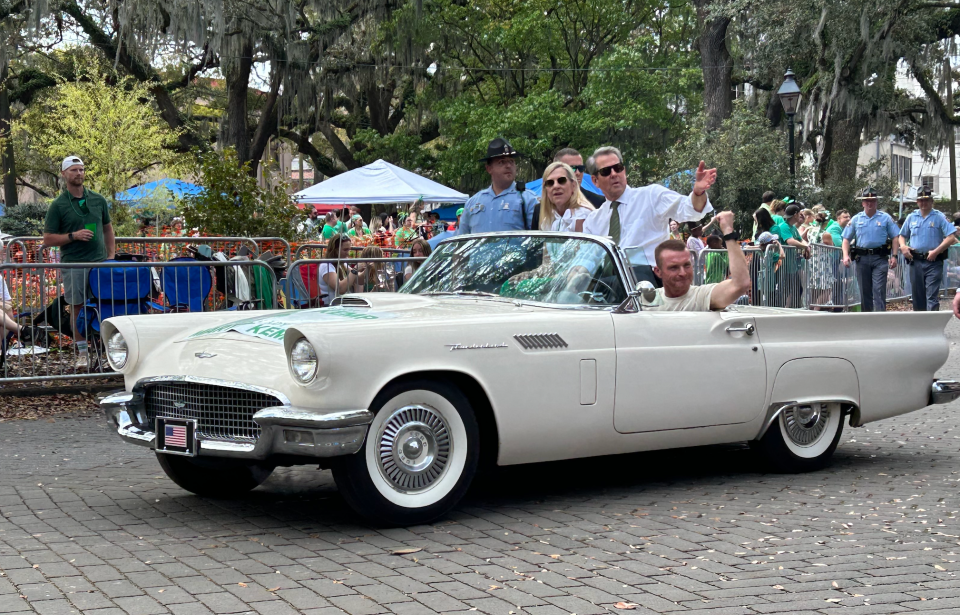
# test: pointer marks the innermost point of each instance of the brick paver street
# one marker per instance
(90, 525)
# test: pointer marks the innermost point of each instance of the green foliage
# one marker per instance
(24, 219)
(111, 127)
(232, 204)
(750, 159)
(399, 148)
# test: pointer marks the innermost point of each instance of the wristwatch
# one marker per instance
(732, 236)
(70, 236)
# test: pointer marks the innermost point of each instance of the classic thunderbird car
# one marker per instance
(508, 347)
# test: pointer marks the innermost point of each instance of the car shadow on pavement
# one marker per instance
(305, 492)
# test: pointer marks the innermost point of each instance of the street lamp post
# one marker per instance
(789, 94)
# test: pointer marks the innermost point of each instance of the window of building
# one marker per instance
(901, 169)
(930, 182)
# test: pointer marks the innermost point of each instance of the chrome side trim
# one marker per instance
(944, 391)
(773, 412)
(291, 416)
(216, 382)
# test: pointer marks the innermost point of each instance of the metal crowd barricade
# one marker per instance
(951, 270)
(302, 285)
(276, 245)
(43, 350)
(314, 251)
(21, 249)
(165, 248)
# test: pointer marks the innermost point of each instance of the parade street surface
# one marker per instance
(90, 525)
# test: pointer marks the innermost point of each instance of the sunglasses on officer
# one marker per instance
(614, 168)
(559, 181)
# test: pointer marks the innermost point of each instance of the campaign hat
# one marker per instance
(498, 148)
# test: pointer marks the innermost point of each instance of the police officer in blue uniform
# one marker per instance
(503, 206)
(877, 239)
(927, 237)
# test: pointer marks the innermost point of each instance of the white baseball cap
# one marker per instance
(69, 161)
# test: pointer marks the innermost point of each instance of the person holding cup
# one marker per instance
(78, 222)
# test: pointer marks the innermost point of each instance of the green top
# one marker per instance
(68, 214)
(353, 232)
(836, 232)
(329, 231)
(404, 237)
(787, 231)
(716, 269)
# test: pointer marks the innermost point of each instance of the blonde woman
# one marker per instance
(374, 276)
(808, 222)
(562, 206)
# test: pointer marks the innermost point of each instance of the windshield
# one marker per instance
(561, 270)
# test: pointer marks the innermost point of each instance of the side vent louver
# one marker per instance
(540, 341)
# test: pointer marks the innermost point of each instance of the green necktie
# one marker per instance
(615, 221)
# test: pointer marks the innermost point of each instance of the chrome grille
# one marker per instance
(222, 413)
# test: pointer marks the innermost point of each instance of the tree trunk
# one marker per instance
(237, 74)
(716, 64)
(7, 163)
(841, 149)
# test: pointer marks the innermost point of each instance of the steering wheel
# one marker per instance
(597, 297)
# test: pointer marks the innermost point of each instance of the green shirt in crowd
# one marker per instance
(329, 231)
(353, 232)
(716, 269)
(68, 214)
(787, 231)
(836, 232)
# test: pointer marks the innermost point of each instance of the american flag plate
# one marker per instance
(176, 436)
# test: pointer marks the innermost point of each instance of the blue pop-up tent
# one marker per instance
(163, 188)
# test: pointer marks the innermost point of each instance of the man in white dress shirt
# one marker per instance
(638, 219)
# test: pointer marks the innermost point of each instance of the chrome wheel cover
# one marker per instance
(414, 448)
(806, 424)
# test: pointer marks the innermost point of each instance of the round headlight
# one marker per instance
(117, 350)
(303, 361)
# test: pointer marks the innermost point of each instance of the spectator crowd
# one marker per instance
(797, 256)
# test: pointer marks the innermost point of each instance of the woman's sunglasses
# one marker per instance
(614, 168)
(559, 181)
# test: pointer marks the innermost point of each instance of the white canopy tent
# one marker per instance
(378, 182)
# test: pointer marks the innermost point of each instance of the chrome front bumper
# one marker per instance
(284, 430)
(944, 391)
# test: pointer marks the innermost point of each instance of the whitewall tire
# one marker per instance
(418, 459)
(803, 438)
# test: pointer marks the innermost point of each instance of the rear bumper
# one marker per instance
(944, 391)
(286, 430)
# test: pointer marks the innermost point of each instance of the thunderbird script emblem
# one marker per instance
(204, 355)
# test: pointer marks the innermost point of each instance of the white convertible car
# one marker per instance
(509, 348)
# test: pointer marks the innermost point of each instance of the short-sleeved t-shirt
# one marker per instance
(787, 231)
(68, 214)
(4, 291)
(697, 299)
(329, 231)
(328, 294)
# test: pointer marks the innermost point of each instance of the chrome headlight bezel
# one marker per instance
(303, 361)
(118, 351)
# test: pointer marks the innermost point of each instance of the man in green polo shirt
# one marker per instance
(78, 222)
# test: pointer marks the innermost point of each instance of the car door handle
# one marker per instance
(749, 329)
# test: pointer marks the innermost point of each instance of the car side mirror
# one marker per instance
(648, 294)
